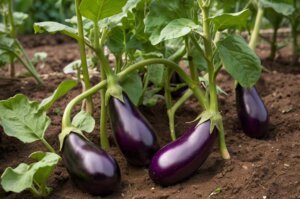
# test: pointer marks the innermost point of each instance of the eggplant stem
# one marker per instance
(66, 120)
(81, 42)
(174, 108)
(48, 146)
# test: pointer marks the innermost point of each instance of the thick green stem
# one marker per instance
(66, 120)
(13, 34)
(273, 43)
(208, 43)
(193, 68)
(222, 144)
(209, 54)
(48, 146)
(174, 108)
(103, 111)
(255, 32)
(81, 42)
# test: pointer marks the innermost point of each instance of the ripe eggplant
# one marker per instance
(132, 132)
(252, 112)
(181, 158)
(90, 168)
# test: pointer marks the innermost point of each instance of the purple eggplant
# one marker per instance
(90, 168)
(252, 112)
(181, 158)
(132, 132)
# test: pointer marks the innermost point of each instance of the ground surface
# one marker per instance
(267, 168)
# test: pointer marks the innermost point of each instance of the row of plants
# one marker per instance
(148, 38)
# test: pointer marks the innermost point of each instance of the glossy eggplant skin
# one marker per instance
(90, 168)
(181, 158)
(252, 112)
(132, 132)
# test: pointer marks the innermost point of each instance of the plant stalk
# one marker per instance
(81, 42)
(66, 120)
(103, 111)
(211, 73)
(48, 146)
(13, 34)
(174, 108)
(255, 32)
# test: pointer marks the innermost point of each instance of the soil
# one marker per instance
(265, 168)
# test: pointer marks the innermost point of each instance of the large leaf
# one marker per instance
(54, 27)
(162, 12)
(239, 60)
(284, 7)
(22, 119)
(100, 9)
(175, 29)
(133, 86)
(84, 121)
(116, 19)
(26, 176)
(231, 20)
(62, 89)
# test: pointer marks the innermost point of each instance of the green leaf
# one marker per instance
(133, 86)
(175, 29)
(100, 9)
(19, 18)
(22, 119)
(155, 74)
(54, 27)
(66, 131)
(162, 13)
(27, 176)
(239, 60)
(84, 121)
(62, 89)
(284, 7)
(231, 20)
(117, 19)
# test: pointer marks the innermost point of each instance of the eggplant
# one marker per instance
(90, 168)
(132, 132)
(252, 112)
(181, 158)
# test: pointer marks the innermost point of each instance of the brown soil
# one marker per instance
(267, 168)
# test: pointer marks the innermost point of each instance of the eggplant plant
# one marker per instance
(170, 32)
(10, 47)
(231, 52)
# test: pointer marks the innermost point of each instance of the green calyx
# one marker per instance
(214, 117)
(113, 89)
(66, 131)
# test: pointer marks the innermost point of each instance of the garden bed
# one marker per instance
(267, 168)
